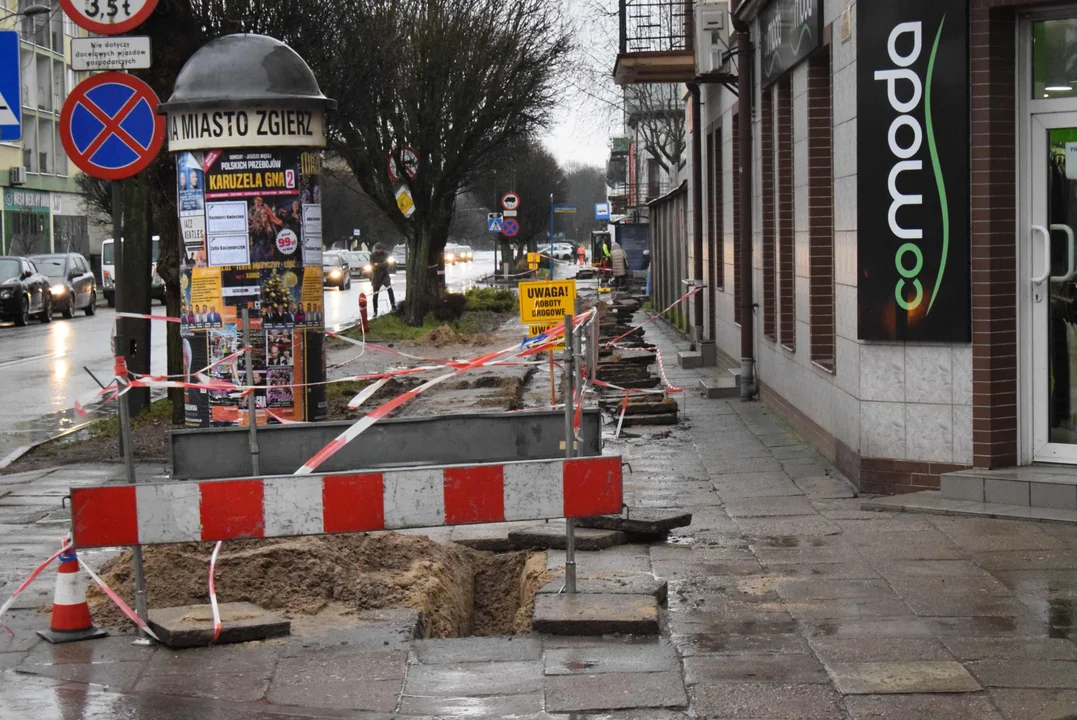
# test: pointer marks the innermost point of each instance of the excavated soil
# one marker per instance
(459, 591)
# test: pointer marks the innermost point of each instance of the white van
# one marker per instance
(108, 272)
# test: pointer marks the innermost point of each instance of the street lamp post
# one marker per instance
(28, 11)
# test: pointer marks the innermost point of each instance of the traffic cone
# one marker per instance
(70, 613)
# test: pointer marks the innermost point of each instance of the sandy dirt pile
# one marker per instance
(459, 591)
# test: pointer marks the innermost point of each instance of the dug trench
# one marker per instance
(456, 590)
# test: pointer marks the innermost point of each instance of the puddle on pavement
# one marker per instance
(1060, 618)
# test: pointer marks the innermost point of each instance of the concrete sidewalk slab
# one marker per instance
(595, 614)
(191, 626)
(930, 676)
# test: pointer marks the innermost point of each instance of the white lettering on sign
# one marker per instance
(903, 155)
(110, 53)
(244, 127)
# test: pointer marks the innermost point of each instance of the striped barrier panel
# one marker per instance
(290, 505)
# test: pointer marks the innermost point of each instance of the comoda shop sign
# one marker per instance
(913, 171)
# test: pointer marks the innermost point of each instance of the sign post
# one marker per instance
(110, 130)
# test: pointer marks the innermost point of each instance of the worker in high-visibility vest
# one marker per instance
(581, 254)
(605, 254)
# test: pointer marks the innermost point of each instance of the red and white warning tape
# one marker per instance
(678, 301)
(213, 594)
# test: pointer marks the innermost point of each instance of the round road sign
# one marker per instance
(108, 126)
(510, 201)
(108, 17)
(510, 228)
(407, 159)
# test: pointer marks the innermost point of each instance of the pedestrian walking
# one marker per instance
(619, 264)
(379, 278)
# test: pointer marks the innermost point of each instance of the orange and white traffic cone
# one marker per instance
(70, 613)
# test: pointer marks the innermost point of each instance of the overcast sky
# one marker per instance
(583, 124)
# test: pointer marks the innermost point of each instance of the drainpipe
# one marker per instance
(697, 212)
(747, 316)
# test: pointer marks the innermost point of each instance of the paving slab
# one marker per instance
(924, 676)
(361, 681)
(1036, 704)
(636, 584)
(503, 706)
(608, 658)
(922, 707)
(551, 536)
(778, 668)
(1060, 674)
(474, 679)
(595, 614)
(192, 625)
(775, 701)
(371, 631)
(979, 648)
(856, 650)
(252, 659)
(236, 687)
(476, 649)
(693, 644)
(120, 676)
(612, 691)
(639, 522)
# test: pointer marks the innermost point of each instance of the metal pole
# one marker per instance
(125, 409)
(252, 413)
(550, 236)
(570, 439)
(594, 347)
(553, 387)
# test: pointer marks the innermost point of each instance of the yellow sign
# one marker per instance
(533, 260)
(404, 202)
(536, 330)
(548, 301)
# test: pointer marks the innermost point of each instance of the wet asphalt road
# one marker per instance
(41, 365)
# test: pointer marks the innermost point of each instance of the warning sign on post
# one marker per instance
(533, 331)
(546, 302)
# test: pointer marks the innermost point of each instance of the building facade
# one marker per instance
(913, 198)
(43, 210)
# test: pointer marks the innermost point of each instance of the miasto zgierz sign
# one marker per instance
(245, 127)
(913, 171)
(792, 30)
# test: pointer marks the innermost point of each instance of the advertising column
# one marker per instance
(249, 206)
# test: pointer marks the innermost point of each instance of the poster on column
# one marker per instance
(190, 203)
(912, 181)
(259, 206)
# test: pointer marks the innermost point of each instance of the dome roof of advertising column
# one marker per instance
(246, 70)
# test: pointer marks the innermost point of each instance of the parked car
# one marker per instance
(335, 271)
(108, 272)
(73, 285)
(561, 251)
(23, 291)
(358, 264)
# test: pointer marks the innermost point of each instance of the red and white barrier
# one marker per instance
(148, 513)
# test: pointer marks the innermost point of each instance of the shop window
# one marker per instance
(736, 220)
(786, 245)
(821, 209)
(766, 142)
(1054, 58)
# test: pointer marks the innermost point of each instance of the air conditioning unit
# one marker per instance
(17, 175)
(712, 35)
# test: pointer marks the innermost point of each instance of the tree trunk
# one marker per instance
(133, 285)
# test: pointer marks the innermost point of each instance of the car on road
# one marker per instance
(335, 271)
(466, 254)
(561, 251)
(359, 266)
(108, 272)
(73, 285)
(24, 292)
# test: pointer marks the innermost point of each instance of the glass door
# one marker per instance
(1051, 251)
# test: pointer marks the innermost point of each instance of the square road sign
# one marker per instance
(10, 100)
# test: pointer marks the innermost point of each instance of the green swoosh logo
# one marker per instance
(937, 167)
(805, 30)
